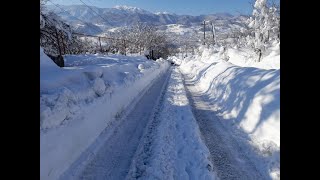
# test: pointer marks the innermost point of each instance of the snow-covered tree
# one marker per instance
(265, 23)
(140, 38)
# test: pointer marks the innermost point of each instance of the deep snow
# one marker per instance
(247, 100)
(84, 79)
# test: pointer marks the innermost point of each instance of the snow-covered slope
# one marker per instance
(78, 102)
(126, 9)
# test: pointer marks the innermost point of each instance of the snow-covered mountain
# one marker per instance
(101, 19)
(127, 9)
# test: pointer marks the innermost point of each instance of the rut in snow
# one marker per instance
(228, 158)
(172, 148)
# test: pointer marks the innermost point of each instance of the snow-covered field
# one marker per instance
(79, 101)
(180, 29)
(247, 100)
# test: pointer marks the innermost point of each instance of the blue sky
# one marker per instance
(190, 7)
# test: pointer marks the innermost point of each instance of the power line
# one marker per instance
(91, 3)
(71, 14)
(94, 11)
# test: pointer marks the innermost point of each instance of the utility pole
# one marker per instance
(204, 32)
(152, 54)
(213, 33)
(100, 44)
(125, 48)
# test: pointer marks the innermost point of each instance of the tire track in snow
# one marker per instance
(142, 157)
(113, 157)
(171, 147)
(228, 158)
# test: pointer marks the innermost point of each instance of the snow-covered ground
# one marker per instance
(79, 101)
(247, 100)
(179, 29)
(172, 147)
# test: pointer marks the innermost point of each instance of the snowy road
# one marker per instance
(170, 133)
(171, 148)
(228, 157)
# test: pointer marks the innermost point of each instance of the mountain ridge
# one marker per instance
(119, 16)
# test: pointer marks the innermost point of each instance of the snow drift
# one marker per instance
(78, 102)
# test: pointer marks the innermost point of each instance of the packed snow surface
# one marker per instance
(172, 147)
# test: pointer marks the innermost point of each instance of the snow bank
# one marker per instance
(247, 99)
(79, 101)
(172, 147)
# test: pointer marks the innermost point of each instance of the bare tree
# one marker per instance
(56, 37)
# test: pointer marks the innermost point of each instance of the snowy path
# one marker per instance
(114, 155)
(171, 148)
(228, 157)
